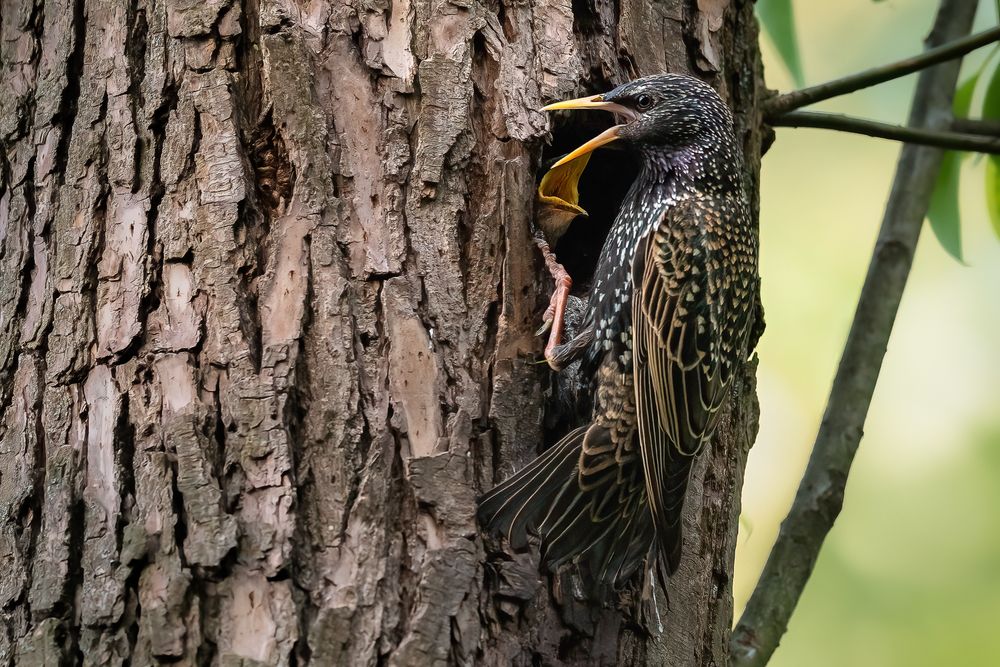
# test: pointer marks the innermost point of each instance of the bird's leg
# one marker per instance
(563, 355)
(553, 319)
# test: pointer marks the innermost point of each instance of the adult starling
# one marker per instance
(669, 321)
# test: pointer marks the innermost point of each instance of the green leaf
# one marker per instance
(991, 98)
(778, 20)
(991, 111)
(943, 213)
(993, 192)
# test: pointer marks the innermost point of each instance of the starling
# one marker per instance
(558, 201)
(556, 206)
(670, 319)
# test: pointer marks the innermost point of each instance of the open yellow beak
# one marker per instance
(558, 201)
(560, 187)
(606, 137)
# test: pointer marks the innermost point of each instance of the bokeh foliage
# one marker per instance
(910, 575)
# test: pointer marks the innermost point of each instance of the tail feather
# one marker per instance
(596, 515)
(573, 531)
(618, 559)
(512, 507)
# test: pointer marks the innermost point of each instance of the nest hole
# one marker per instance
(603, 187)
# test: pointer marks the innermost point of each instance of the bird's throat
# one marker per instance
(672, 172)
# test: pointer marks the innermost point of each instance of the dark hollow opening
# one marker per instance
(603, 187)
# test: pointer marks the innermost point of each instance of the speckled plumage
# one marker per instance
(670, 315)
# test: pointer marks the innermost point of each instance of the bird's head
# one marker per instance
(665, 113)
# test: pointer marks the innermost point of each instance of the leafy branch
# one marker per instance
(819, 498)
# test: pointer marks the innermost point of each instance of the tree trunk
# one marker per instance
(267, 302)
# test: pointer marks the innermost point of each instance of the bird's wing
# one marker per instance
(679, 374)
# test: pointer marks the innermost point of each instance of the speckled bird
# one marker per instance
(670, 319)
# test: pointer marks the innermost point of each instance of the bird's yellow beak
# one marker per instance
(560, 187)
(592, 102)
(558, 201)
(606, 137)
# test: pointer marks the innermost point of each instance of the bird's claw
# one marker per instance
(549, 316)
(556, 306)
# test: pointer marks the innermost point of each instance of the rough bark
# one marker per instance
(267, 296)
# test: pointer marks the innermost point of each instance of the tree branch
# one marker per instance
(821, 492)
(824, 91)
(941, 139)
(989, 128)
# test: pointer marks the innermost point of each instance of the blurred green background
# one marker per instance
(910, 575)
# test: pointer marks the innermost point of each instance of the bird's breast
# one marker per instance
(611, 296)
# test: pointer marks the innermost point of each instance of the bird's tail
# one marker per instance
(598, 516)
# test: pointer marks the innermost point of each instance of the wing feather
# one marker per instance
(676, 344)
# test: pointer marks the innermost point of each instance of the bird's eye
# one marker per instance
(643, 102)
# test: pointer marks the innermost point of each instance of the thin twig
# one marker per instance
(820, 495)
(987, 128)
(824, 91)
(911, 135)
